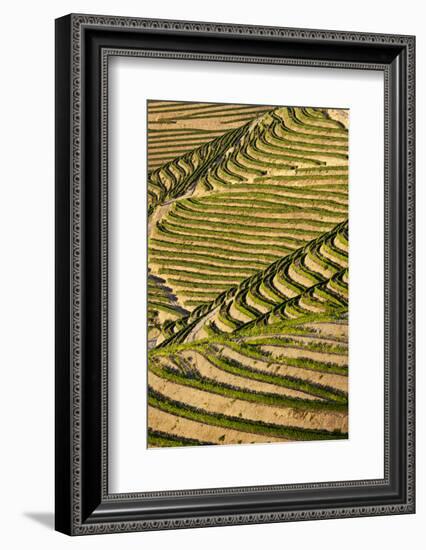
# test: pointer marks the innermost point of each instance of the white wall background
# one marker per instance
(26, 289)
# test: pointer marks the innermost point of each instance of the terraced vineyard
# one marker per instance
(248, 274)
(176, 127)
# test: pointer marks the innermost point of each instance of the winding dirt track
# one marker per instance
(295, 352)
(283, 416)
(208, 370)
(165, 422)
(336, 381)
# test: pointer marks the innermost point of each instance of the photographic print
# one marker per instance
(202, 251)
(247, 273)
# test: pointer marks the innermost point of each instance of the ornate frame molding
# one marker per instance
(73, 48)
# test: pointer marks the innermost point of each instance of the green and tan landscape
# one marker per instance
(247, 274)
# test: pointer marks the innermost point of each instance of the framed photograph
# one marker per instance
(234, 274)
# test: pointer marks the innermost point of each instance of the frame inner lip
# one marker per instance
(106, 53)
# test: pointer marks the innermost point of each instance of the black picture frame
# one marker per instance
(83, 45)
